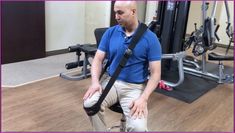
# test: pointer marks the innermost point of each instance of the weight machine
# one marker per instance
(204, 41)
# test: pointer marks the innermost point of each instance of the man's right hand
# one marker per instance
(92, 89)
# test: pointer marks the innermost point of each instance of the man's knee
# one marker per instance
(137, 125)
(89, 102)
(92, 100)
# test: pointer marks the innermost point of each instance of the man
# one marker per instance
(130, 88)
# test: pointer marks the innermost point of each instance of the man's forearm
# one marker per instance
(151, 86)
(96, 69)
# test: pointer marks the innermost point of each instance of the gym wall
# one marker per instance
(72, 22)
(64, 24)
(222, 21)
(97, 15)
(141, 6)
(151, 7)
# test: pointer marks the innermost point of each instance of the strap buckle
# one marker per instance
(128, 52)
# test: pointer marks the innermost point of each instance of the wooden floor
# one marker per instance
(56, 105)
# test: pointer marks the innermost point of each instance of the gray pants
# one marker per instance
(125, 93)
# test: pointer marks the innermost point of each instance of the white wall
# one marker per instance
(151, 8)
(72, 22)
(141, 10)
(64, 24)
(97, 15)
(223, 22)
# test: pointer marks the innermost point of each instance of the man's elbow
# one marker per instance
(155, 74)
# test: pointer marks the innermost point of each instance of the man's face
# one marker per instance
(123, 15)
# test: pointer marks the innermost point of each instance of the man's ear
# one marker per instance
(133, 11)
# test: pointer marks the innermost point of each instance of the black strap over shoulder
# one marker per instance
(96, 107)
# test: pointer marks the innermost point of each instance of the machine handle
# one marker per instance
(71, 65)
(216, 29)
(228, 30)
(74, 48)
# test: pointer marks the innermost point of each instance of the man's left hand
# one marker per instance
(139, 108)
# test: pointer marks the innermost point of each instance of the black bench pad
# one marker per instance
(215, 56)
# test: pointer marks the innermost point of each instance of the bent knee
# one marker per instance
(137, 129)
(89, 102)
(137, 125)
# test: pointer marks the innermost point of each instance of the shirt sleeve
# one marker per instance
(154, 50)
(103, 46)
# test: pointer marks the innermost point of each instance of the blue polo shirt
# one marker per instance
(114, 43)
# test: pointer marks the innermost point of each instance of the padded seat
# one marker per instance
(98, 34)
(88, 49)
(116, 108)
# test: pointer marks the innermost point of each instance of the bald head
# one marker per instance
(126, 13)
(126, 4)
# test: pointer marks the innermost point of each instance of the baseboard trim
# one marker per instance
(56, 52)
